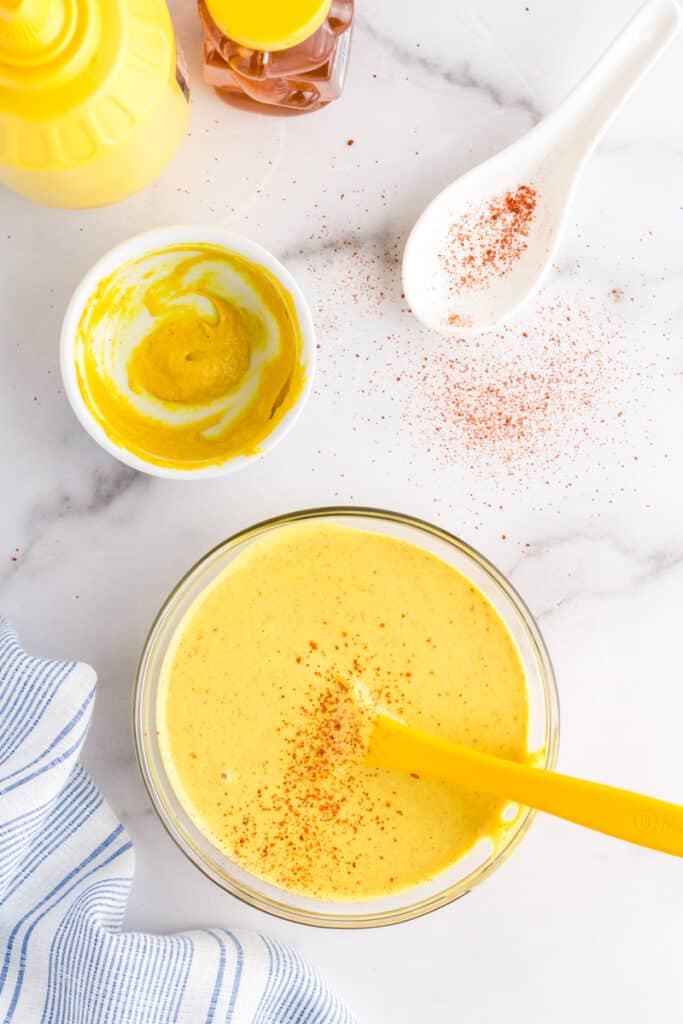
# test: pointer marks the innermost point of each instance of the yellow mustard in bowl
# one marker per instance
(189, 356)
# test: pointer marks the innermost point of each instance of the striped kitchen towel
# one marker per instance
(66, 866)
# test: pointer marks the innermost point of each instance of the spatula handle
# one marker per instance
(616, 812)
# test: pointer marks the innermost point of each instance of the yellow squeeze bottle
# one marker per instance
(93, 102)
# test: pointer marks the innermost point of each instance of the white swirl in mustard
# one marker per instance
(189, 356)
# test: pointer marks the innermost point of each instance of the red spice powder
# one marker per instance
(523, 396)
(515, 408)
(600, 355)
(459, 320)
(335, 732)
(487, 240)
(322, 769)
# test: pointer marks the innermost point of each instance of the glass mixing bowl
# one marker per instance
(450, 884)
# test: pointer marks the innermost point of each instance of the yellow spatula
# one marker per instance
(616, 812)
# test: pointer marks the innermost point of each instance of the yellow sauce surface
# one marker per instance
(253, 670)
(188, 359)
(190, 356)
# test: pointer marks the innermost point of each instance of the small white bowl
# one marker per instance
(151, 241)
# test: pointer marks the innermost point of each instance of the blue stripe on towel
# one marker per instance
(66, 868)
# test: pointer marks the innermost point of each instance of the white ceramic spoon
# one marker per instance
(550, 158)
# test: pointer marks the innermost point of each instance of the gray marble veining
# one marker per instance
(588, 525)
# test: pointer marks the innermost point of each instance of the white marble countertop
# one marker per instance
(581, 503)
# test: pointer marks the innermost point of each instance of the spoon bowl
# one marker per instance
(463, 228)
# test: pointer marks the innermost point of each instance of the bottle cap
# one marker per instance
(32, 31)
(268, 24)
(77, 78)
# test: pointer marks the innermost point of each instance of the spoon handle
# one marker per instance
(590, 107)
(616, 812)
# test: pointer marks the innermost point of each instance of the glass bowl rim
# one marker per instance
(410, 910)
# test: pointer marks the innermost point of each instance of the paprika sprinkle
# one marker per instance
(263, 734)
(486, 241)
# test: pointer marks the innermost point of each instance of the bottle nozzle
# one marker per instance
(29, 29)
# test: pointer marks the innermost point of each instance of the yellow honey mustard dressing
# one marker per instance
(252, 679)
(190, 356)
